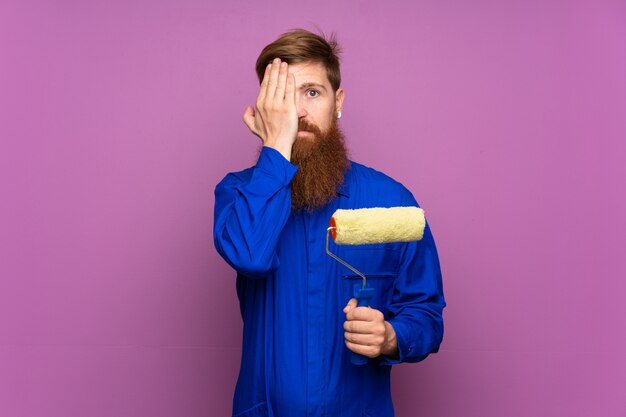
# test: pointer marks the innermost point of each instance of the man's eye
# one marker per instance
(312, 93)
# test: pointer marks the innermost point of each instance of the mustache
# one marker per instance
(305, 126)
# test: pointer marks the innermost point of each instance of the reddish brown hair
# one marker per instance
(299, 45)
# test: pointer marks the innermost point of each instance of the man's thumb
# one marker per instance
(350, 306)
(248, 118)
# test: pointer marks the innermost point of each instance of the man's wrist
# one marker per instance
(281, 146)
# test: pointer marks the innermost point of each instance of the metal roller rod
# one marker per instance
(338, 259)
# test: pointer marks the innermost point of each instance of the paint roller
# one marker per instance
(369, 226)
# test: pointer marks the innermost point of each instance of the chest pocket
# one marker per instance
(382, 285)
(379, 263)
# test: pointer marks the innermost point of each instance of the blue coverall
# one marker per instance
(294, 362)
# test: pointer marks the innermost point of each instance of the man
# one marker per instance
(300, 320)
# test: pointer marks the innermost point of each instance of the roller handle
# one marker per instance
(363, 297)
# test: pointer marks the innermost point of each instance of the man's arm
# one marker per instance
(415, 325)
(275, 120)
(251, 210)
(416, 307)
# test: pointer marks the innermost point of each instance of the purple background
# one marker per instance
(506, 119)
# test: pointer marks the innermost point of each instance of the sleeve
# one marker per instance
(250, 213)
(417, 303)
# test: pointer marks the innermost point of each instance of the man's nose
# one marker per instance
(301, 109)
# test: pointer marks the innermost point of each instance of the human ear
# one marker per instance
(339, 99)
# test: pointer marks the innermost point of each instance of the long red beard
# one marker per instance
(322, 162)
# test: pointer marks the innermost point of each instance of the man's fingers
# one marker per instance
(364, 314)
(364, 339)
(281, 85)
(273, 81)
(290, 96)
(357, 326)
(369, 351)
(263, 91)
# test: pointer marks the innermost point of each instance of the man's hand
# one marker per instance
(275, 120)
(367, 333)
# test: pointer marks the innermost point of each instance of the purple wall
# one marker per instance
(508, 122)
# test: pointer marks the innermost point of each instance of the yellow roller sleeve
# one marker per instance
(377, 225)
